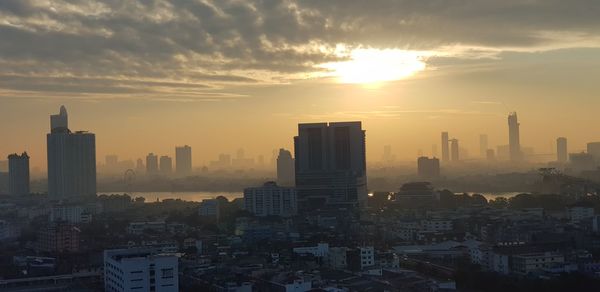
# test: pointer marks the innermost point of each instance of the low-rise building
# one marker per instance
(140, 269)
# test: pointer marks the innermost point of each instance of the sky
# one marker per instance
(146, 75)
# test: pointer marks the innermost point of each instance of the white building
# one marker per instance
(526, 263)
(71, 214)
(138, 228)
(209, 208)
(576, 214)
(320, 250)
(140, 269)
(367, 256)
(271, 199)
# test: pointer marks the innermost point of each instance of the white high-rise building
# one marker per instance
(140, 269)
(271, 200)
(71, 160)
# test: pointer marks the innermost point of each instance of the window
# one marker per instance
(167, 273)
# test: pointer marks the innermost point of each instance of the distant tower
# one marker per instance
(561, 150)
(483, 145)
(166, 165)
(151, 164)
(445, 149)
(18, 174)
(454, 149)
(183, 160)
(428, 168)
(139, 166)
(285, 168)
(514, 142)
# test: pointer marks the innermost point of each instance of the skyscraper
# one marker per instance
(71, 160)
(445, 147)
(454, 149)
(514, 141)
(18, 174)
(166, 165)
(561, 150)
(483, 145)
(183, 160)
(331, 164)
(285, 168)
(151, 164)
(428, 167)
(593, 148)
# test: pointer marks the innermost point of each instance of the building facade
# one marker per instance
(285, 168)
(271, 200)
(183, 160)
(18, 174)
(330, 165)
(428, 167)
(140, 269)
(71, 160)
(514, 140)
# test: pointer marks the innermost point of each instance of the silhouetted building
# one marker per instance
(561, 150)
(330, 164)
(593, 149)
(151, 164)
(18, 174)
(428, 167)
(445, 147)
(140, 269)
(514, 140)
(271, 200)
(285, 168)
(71, 160)
(139, 166)
(483, 145)
(417, 191)
(111, 160)
(183, 160)
(454, 150)
(166, 165)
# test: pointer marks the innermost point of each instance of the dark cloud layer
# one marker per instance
(125, 46)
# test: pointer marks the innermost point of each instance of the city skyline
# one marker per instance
(543, 65)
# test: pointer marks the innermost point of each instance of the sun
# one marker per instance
(369, 66)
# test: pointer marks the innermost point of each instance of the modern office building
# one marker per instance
(140, 269)
(454, 150)
(285, 168)
(483, 145)
(271, 200)
(18, 174)
(428, 167)
(330, 165)
(445, 147)
(183, 160)
(514, 140)
(71, 160)
(166, 165)
(151, 164)
(561, 150)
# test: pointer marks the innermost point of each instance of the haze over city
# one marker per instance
(225, 75)
(298, 146)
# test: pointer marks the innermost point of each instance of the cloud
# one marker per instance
(123, 47)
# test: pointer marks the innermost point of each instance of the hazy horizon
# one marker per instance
(223, 75)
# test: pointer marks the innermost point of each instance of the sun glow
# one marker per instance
(373, 65)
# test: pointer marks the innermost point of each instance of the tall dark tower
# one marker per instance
(330, 165)
(514, 141)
